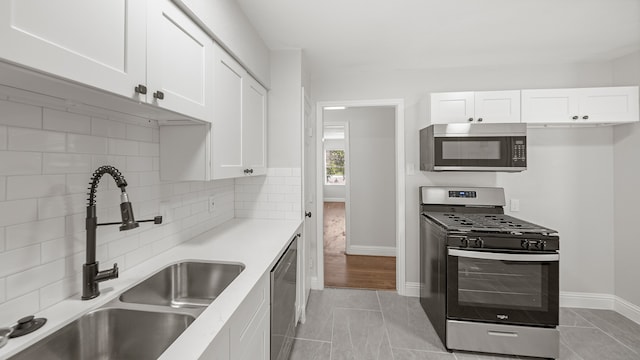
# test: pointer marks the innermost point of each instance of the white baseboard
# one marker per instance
(316, 284)
(600, 301)
(412, 289)
(627, 309)
(371, 250)
(587, 300)
(334, 200)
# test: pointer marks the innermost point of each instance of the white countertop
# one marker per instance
(257, 244)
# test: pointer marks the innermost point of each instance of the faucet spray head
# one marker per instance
(126, 212)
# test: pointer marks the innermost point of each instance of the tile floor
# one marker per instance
(381, 325)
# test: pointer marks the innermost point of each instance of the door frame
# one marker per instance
(398, 104)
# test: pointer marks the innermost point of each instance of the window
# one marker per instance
(334, 167)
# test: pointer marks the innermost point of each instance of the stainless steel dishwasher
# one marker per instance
(283, 302)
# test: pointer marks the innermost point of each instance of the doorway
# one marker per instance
(359, 261)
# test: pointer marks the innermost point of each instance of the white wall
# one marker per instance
(371, 177)
(47, 156)
(627, 197)
(549, 168)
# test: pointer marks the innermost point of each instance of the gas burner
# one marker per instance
(486, 223)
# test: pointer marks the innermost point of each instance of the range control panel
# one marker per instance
(462, 194)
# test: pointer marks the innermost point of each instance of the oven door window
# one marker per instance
(472, 151)
(502, 287)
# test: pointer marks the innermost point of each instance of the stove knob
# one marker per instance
(464, 242)
(479, 243)
(525, 244)
(541, 245)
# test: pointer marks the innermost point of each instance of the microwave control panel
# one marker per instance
(519, 151)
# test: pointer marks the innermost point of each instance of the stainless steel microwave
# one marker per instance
(473, 147)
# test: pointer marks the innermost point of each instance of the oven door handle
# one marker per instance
(503, 256)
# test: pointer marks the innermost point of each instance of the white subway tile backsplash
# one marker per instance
(108, 128)
(35, 278)
(86, 144)
(123, 246)
(2, 240)
(149, 149)
(3, 188)
(34, 232)
(34, 186)
(66, 121)
(53, 163)
(18, 211)
(62, 247)
(3, 296)
(20, 115)
(14, 261)
(3, 138)
(59, 291)
(276, 196)
(21, 139)
(139, 133)
(20, 307)
(123, 147)
(57, 206)
(20, 163)
(43, 200)
(139, 163)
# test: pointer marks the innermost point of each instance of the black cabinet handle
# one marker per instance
(158, 95)
(479, 119)
(470, 119)
(575, 117)
(140, 89)
(307, 214)
(248, 171)
(586, 117)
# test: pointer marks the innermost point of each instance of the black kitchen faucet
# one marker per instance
(91, 276)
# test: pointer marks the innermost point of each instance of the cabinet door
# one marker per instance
(179, 63)
(558, 106)
(257, 343)
(254, 117)
(227, 116)
(454, 107)
(497, 106)
(609, 105)
(218, 349)
(98, 43)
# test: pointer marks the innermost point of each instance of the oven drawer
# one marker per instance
(503, 339)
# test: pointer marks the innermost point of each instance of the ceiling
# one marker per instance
(343, 35)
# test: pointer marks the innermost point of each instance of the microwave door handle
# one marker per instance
(503, 256)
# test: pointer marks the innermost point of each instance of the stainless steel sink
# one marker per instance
(184, 285)
(111, 333)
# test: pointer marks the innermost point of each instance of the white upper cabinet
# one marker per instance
(255, 127)
(227, 128)
(607, 105)
(240, 119)
(97, 43)
(235, 144)
(146, 51)
(475, 107)
(179, 62)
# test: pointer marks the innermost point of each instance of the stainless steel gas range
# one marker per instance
(488, 281)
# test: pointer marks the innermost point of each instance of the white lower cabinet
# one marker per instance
(247, 335)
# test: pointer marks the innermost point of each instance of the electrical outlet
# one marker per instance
(515, 205)
(211, 203)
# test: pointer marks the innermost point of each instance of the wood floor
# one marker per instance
(352, 271)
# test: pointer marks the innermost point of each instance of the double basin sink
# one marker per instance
(142, 322)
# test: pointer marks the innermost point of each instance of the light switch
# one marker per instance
(411, 170)
(515, 205)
